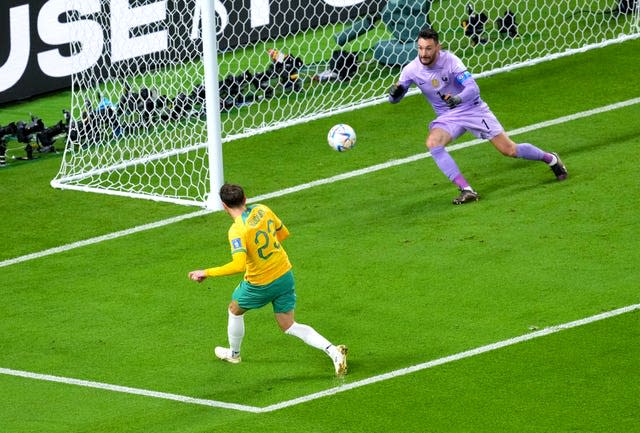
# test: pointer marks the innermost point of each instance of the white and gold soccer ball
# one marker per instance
(341, 137)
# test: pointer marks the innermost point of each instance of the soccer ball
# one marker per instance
(341, 137)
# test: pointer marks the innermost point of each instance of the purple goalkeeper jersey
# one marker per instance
(448, 75)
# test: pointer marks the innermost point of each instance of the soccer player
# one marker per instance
(256, 237)
(455, 97)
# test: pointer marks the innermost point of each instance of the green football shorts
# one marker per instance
(281, 293)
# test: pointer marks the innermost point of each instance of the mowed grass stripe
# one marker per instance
(332, 391)
(320, 182)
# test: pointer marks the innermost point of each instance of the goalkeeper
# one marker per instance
(256, 237)
(455, 97)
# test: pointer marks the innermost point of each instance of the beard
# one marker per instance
(428, 60)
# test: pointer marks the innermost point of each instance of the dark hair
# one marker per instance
(429, 33)
(232, 195)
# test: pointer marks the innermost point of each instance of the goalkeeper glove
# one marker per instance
(452, 101)
(396, 91)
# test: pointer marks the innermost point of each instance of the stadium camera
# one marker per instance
(507, 24)
(233, 90)
(181, 106)
(85, 130)
(198, 98)
(25, 131)
(48, 136)
(474, 26)
(10, 129)
(138, 108)
(285, 68)
(127, 100)
(199, 94)
(134, 102)
(289, 72)
(75, 131)
(262, 83)
(146, 105)
(625, 7)
(67, 116)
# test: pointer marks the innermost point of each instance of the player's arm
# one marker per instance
(238, 261)
(236, 265)
(470, 90)
(282, 233)
(397, 92)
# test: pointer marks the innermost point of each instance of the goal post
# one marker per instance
(139, 123)
(214, 131)
(159, 86)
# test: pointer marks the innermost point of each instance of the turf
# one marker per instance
(383, 263)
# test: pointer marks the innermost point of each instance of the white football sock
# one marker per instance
(311, 337)
(235, 331)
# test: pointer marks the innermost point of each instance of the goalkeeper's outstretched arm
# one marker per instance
(397, 92)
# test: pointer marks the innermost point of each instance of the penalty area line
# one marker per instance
(319, 182)
(451, 358)
(331, 391)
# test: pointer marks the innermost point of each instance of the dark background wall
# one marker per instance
(22, 38)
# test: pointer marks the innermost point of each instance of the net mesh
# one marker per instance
(139, 119)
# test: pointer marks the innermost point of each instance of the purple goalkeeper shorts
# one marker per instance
(478, 120)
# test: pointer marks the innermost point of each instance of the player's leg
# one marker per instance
(245, 297)
(306, 333)
(441, 134)
(235, 328)
(284, 301)
(235, 333)
(508, 147)
(436, 141)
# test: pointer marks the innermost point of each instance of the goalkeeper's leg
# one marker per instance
(436, 141)
(508, 147)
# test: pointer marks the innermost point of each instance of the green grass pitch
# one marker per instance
(384, 263)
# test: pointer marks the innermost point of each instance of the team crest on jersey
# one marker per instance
(435, 83)
(236, 243)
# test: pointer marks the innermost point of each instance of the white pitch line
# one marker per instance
(419, 156)
(129, 390)
(331, 391)
(450, 358)
(315, 183)
(102, 238)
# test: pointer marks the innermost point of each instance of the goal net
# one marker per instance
(145, 72)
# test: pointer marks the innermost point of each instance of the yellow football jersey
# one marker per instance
(258, 232)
